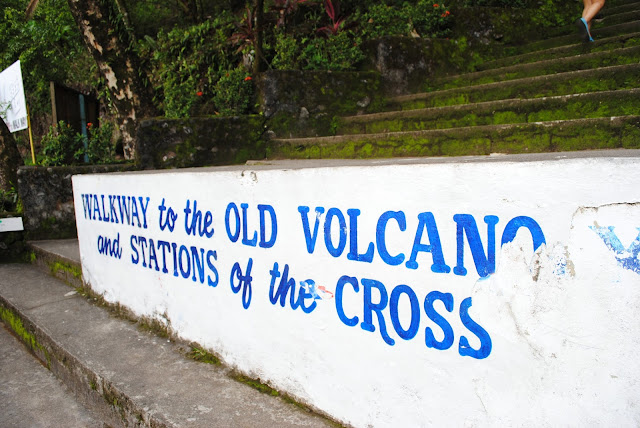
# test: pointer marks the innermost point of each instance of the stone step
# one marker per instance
(552, 136)
(31, 396)
(581, 81)
(564, 107)
(572, 37)
(606, 44)
(629, 55)
(126, 375)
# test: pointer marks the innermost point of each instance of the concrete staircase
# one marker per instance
(554, 94)
(123, 371)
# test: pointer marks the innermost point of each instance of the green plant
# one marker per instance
(287, 51)
(188, 62)
(382, 20)
(233, 93)
(336, 22)
(430, 19)
(100, 148)
(9, 201)
(340, 52)
(62, 146)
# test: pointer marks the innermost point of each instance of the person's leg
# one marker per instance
(591, 9)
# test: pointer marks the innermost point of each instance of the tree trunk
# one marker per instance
(10, 159)
(258, 62)
(109, 38)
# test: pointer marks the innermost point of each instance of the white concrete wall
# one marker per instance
(401, 314)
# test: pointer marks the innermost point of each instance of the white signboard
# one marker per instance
(402, 295)
(11, 224)
(13, 107)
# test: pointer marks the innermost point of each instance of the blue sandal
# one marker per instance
(583, 28)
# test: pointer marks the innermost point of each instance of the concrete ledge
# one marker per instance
(129, 377)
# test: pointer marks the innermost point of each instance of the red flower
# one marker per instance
(89, 125)
(436, 5)
(247, 78)
(447, 13)
(199, 93)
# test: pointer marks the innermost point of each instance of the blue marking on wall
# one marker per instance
(626, 257)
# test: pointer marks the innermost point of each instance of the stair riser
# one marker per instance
(574, 38)
(605, 79)
(517, 111)
(600, 59)
(612, 43)
(528, 138)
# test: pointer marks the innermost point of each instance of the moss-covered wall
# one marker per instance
(47, 198)
(199, 141)
(406, 64)
(305, 103)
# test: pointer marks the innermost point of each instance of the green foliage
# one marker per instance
(49, 47)
(497, 3)
(340, 52)
(233, 93)
(382, 20)
(9, 200)
(430, 19)
(188, 62)
(62, 146)
(100, 148)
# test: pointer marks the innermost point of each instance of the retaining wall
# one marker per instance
(445, 292)
(47, 198)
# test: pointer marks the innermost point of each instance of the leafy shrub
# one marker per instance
(100, 148)
(9, 201)
(62, 146)
(340, 52)
(430, 19)
(188, 62)
(382, 20)
(233, 93)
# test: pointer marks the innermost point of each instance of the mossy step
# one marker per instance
(570, 135)
(616, 9)
(573, 82)
(565, 107)
(629, 55)
(573, 38)
(606, 44)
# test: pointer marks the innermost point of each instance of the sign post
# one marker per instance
(13, 105)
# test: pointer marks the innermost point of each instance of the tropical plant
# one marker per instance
(233, 93)
(9, 200)
(62, 146)
(100, 148)
(336, 21)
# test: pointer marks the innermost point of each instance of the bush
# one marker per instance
(62, 146)
(430, 19)
(100, 148)
(233, 93)
(9, 201)
(382, 20)
(188, 62)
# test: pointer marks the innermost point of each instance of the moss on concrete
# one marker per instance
(15, 323)
(583, 134)
(630, 55)
(605, 79)
(591, 105)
